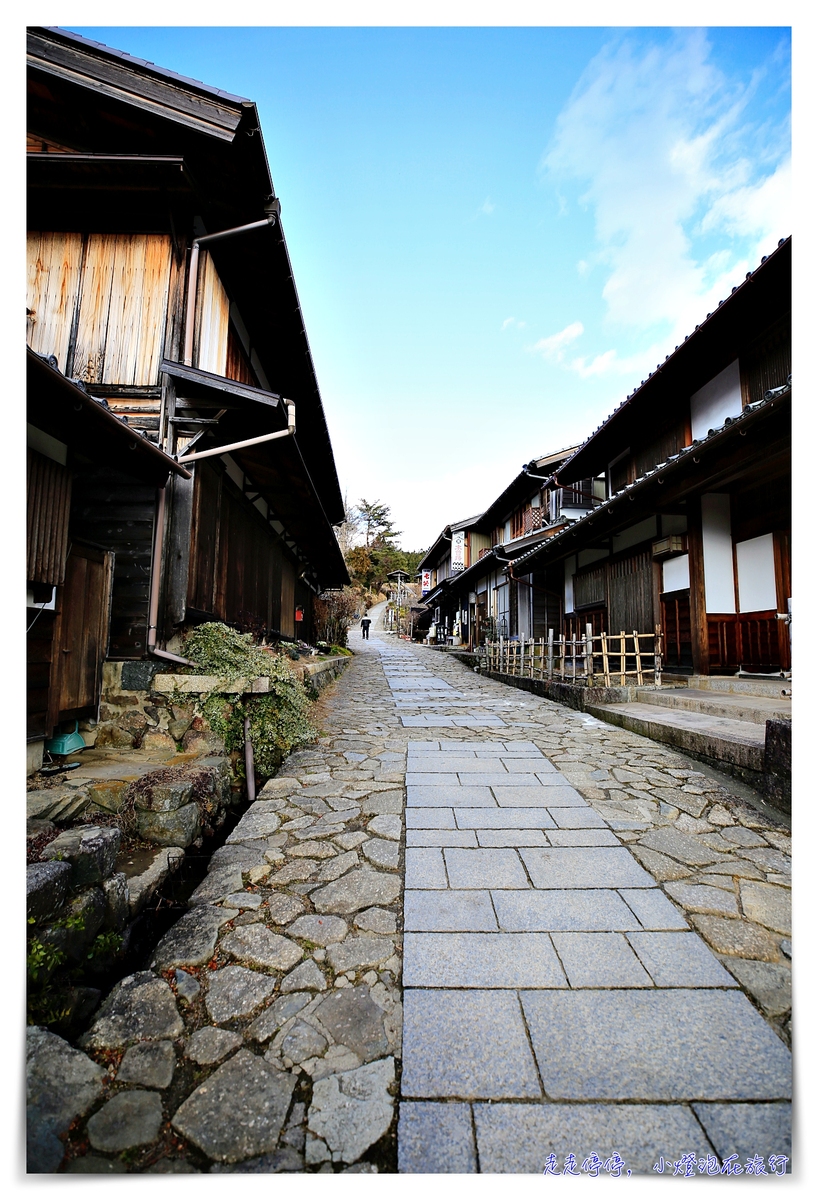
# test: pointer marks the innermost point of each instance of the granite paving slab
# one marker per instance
(480, 1049)
(596, 866)
(655, 1045)
(482, 960)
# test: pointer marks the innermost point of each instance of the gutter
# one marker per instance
(156, 568)
(193, 277)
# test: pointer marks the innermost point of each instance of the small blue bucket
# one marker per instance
(66, 743)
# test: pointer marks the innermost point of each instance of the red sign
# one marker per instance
(299, 614)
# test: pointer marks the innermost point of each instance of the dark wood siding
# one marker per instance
(39, 653)
(630, 594)
(112, 511)
(769, 363)
(48, 509)
(81, 631)
(546, 605)
(239, 566)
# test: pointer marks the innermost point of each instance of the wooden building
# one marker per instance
(161, 300)
(674, 512)
(694, 531)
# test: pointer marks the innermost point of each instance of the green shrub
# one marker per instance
(279, 719)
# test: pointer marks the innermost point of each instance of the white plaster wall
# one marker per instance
(755, 560)
(637, 533)
(719, 398)
(570, 568)
(676, 573)
(717, 549)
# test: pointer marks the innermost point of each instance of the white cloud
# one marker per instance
(513, 322)
(487, 207)
(553, 348)
(662, 146)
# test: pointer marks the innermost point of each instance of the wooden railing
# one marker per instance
(593, 660)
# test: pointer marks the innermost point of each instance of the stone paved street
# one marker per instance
(590, 955)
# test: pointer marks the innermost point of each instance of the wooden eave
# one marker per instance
(62, 408)
(132, 81)
(759, 440)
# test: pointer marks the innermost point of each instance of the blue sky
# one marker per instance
(497, 232)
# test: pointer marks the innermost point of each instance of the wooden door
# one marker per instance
(81, 632)
(676, 628)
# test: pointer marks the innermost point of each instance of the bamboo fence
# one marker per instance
(592, 660)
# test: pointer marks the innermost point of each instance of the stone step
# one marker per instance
(754, 709)
(717, 739)
(733, 685)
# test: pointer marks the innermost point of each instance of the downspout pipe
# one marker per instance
(156, 569)
(193, 277)
(256, 441)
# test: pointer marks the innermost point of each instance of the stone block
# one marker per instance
(61, 1085)
(419, 838)
(80, 922)
(177, 828)
(129, 1119)
(271, 1020)
(90, 849)
(353, 1020)
(150, 1064)
(767, 905)
(258, 946)
(577, 818)
(429, 818)
(741, 938)
(653, 909)
(210, 1045)
(480, 1049)
(770, 984)
(503, 818)
(425, 868)
(446, 795)
(597, 866)
(352, 1110)
(382, 853)
(581, 837)
(117, 907)
(377, 920)
(482, 960)
(306, 977)
(139, 1008)
(674, 1045)
(192, 940)
(518, 1138)
(600, 960)
(483, 869)
(239, 1111)
(748, 1129)
(679, 960)
(700, 898)
(682, 846)
(165, 797)
(107, 795)
(236, 992)
(364, 950)
(445, 911)
(46, 885)
(538, 796)
(320, 930)
(435, 1139)
(110, 734)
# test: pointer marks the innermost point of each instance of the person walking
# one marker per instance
(365, 623)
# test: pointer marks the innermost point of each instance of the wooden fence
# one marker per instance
(593, 660)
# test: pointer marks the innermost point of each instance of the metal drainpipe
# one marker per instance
(192, 283)
(156, 568)
(249, 768)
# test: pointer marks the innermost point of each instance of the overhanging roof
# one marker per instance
(763, 297)
(62, 408)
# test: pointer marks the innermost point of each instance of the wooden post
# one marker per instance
(589, 655)
(605, 664)
(657, 656)
(698, 610)
(550, 653)
(542, 656)
(622, 660)
(638, 654)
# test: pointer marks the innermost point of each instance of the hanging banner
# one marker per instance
(458, 551)
(425, 582)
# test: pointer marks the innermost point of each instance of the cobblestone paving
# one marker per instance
(585, 916)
